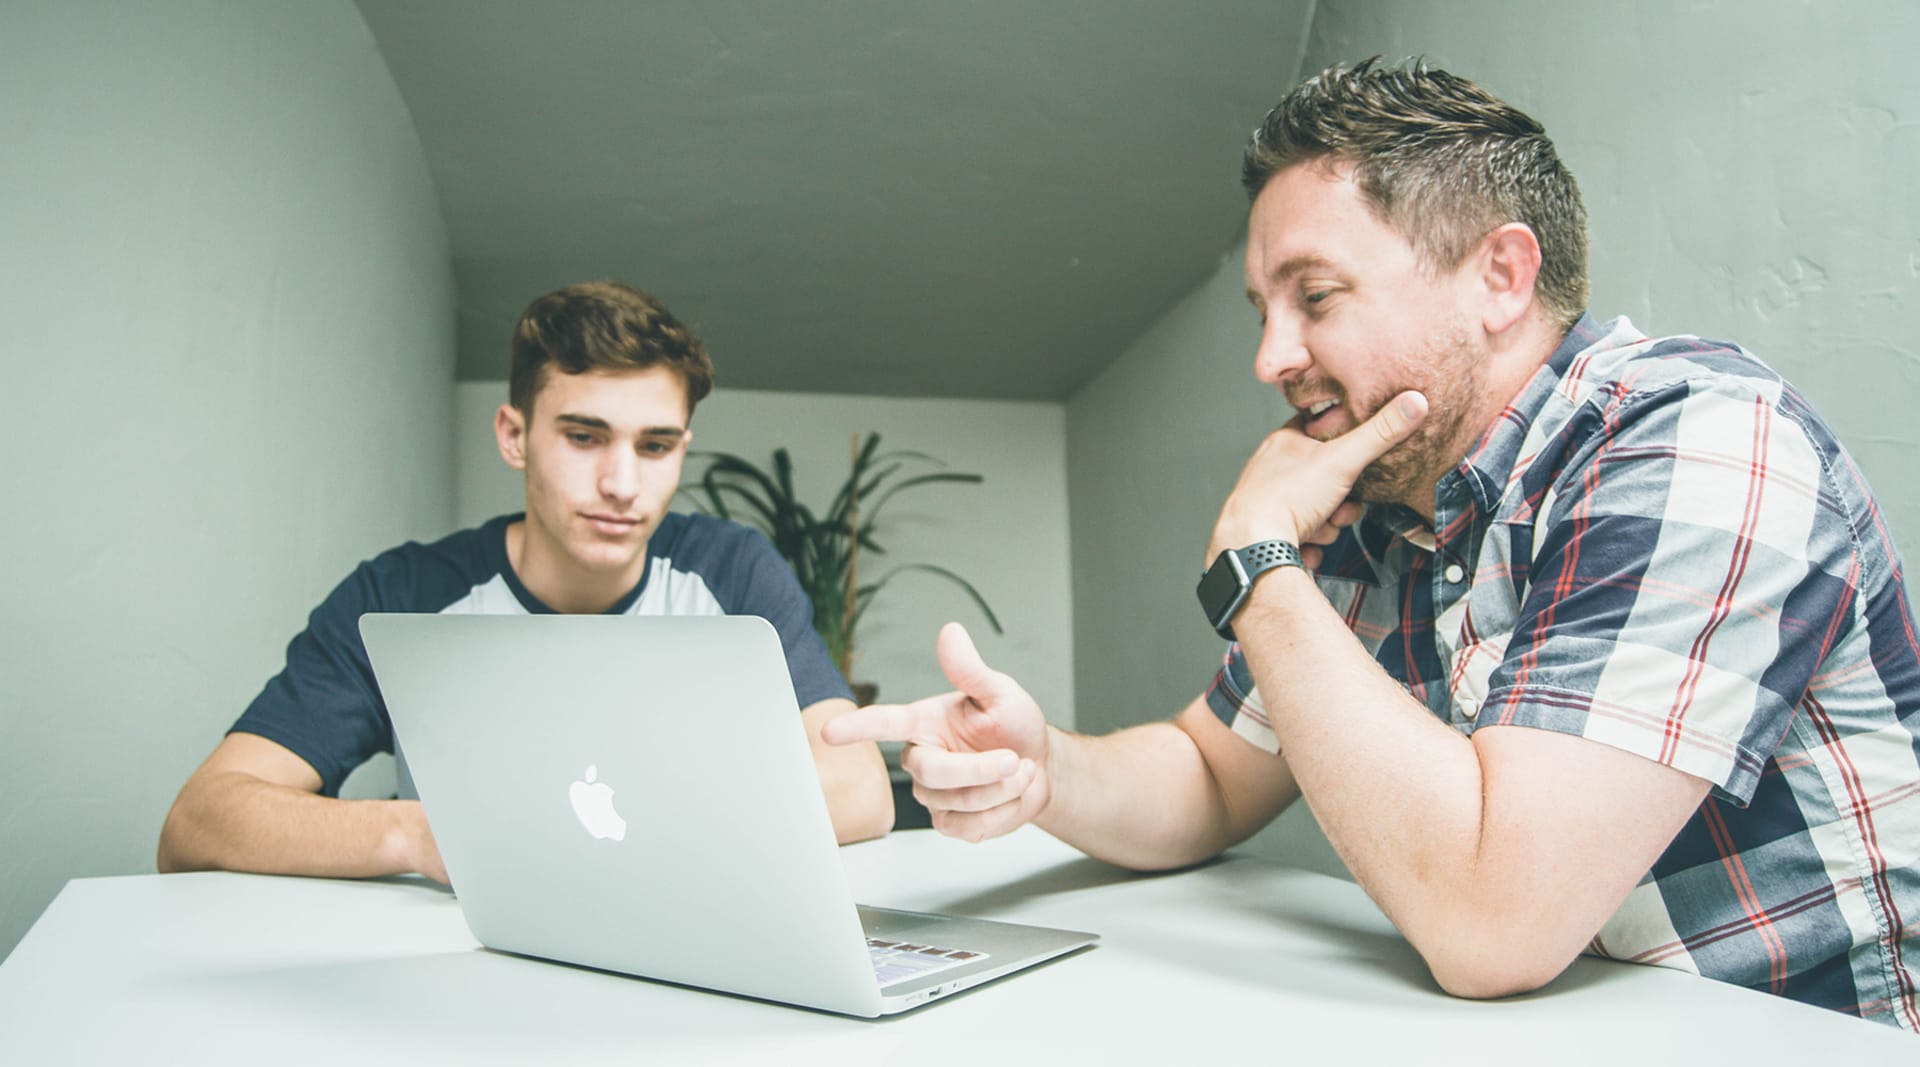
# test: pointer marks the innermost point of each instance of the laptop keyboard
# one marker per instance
(895, 961)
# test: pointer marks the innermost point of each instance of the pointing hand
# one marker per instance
(977, 755)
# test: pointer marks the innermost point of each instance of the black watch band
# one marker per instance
(1224, 588)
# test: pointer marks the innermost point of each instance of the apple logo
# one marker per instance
(593, 806)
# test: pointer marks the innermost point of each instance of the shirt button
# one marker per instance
(1455, 574)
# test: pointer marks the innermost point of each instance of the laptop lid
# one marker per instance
(636, 794)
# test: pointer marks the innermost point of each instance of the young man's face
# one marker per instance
(602, 452)
(1350, 319)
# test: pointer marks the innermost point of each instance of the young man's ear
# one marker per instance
(1509, 265)
(510, 431)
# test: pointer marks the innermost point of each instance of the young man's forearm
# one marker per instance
(854, 778)
(859, 800)
(235, 821)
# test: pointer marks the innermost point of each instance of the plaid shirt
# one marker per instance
(1660, 546)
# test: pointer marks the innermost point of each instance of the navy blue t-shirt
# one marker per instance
(325, 707)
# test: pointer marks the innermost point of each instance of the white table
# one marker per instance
(1238, 960)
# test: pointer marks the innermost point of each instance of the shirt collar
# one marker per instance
(1490, 462)
(1364, 553)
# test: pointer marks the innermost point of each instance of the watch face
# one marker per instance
(1220, 588)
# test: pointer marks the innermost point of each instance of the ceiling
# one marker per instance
(910, 198)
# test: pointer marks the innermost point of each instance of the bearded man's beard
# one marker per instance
(1451, 375)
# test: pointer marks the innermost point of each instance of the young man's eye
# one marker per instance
(580, 437)
(655, 448)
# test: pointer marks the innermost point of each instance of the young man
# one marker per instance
(1573, 639)
(604, 383)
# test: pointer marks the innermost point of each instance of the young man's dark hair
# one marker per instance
(606, 325)
(1440, 160)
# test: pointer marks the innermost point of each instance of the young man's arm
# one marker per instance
(755, 580)
(255, 806)
(854, 778)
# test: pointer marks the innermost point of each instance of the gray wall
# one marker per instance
(1153, 445)
(229, 349)
(1751, 170)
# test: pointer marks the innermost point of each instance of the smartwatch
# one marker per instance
(1226, 584)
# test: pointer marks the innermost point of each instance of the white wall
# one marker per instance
(1008, 535)
(1750, 170)
(229, 349)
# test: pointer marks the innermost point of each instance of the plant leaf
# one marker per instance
(866, 592)
(916, 480)
(820, 548)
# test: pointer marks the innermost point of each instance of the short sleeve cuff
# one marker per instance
(1732, 768)
(332, 774)
(1235, 701)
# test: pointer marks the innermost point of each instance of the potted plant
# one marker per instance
(824, 548)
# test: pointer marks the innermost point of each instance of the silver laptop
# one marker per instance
(636, 794)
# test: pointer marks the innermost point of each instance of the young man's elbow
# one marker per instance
(865, 814)
(880, 814)
(170, 855)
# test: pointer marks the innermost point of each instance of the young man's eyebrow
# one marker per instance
(594, 422)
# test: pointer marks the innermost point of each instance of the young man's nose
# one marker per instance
(620, 475)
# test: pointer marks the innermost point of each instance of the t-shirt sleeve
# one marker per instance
(768, 588)
(323, 705)
(1688, 575)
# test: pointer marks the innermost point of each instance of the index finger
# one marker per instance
(917, 721)
(1393, 423)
